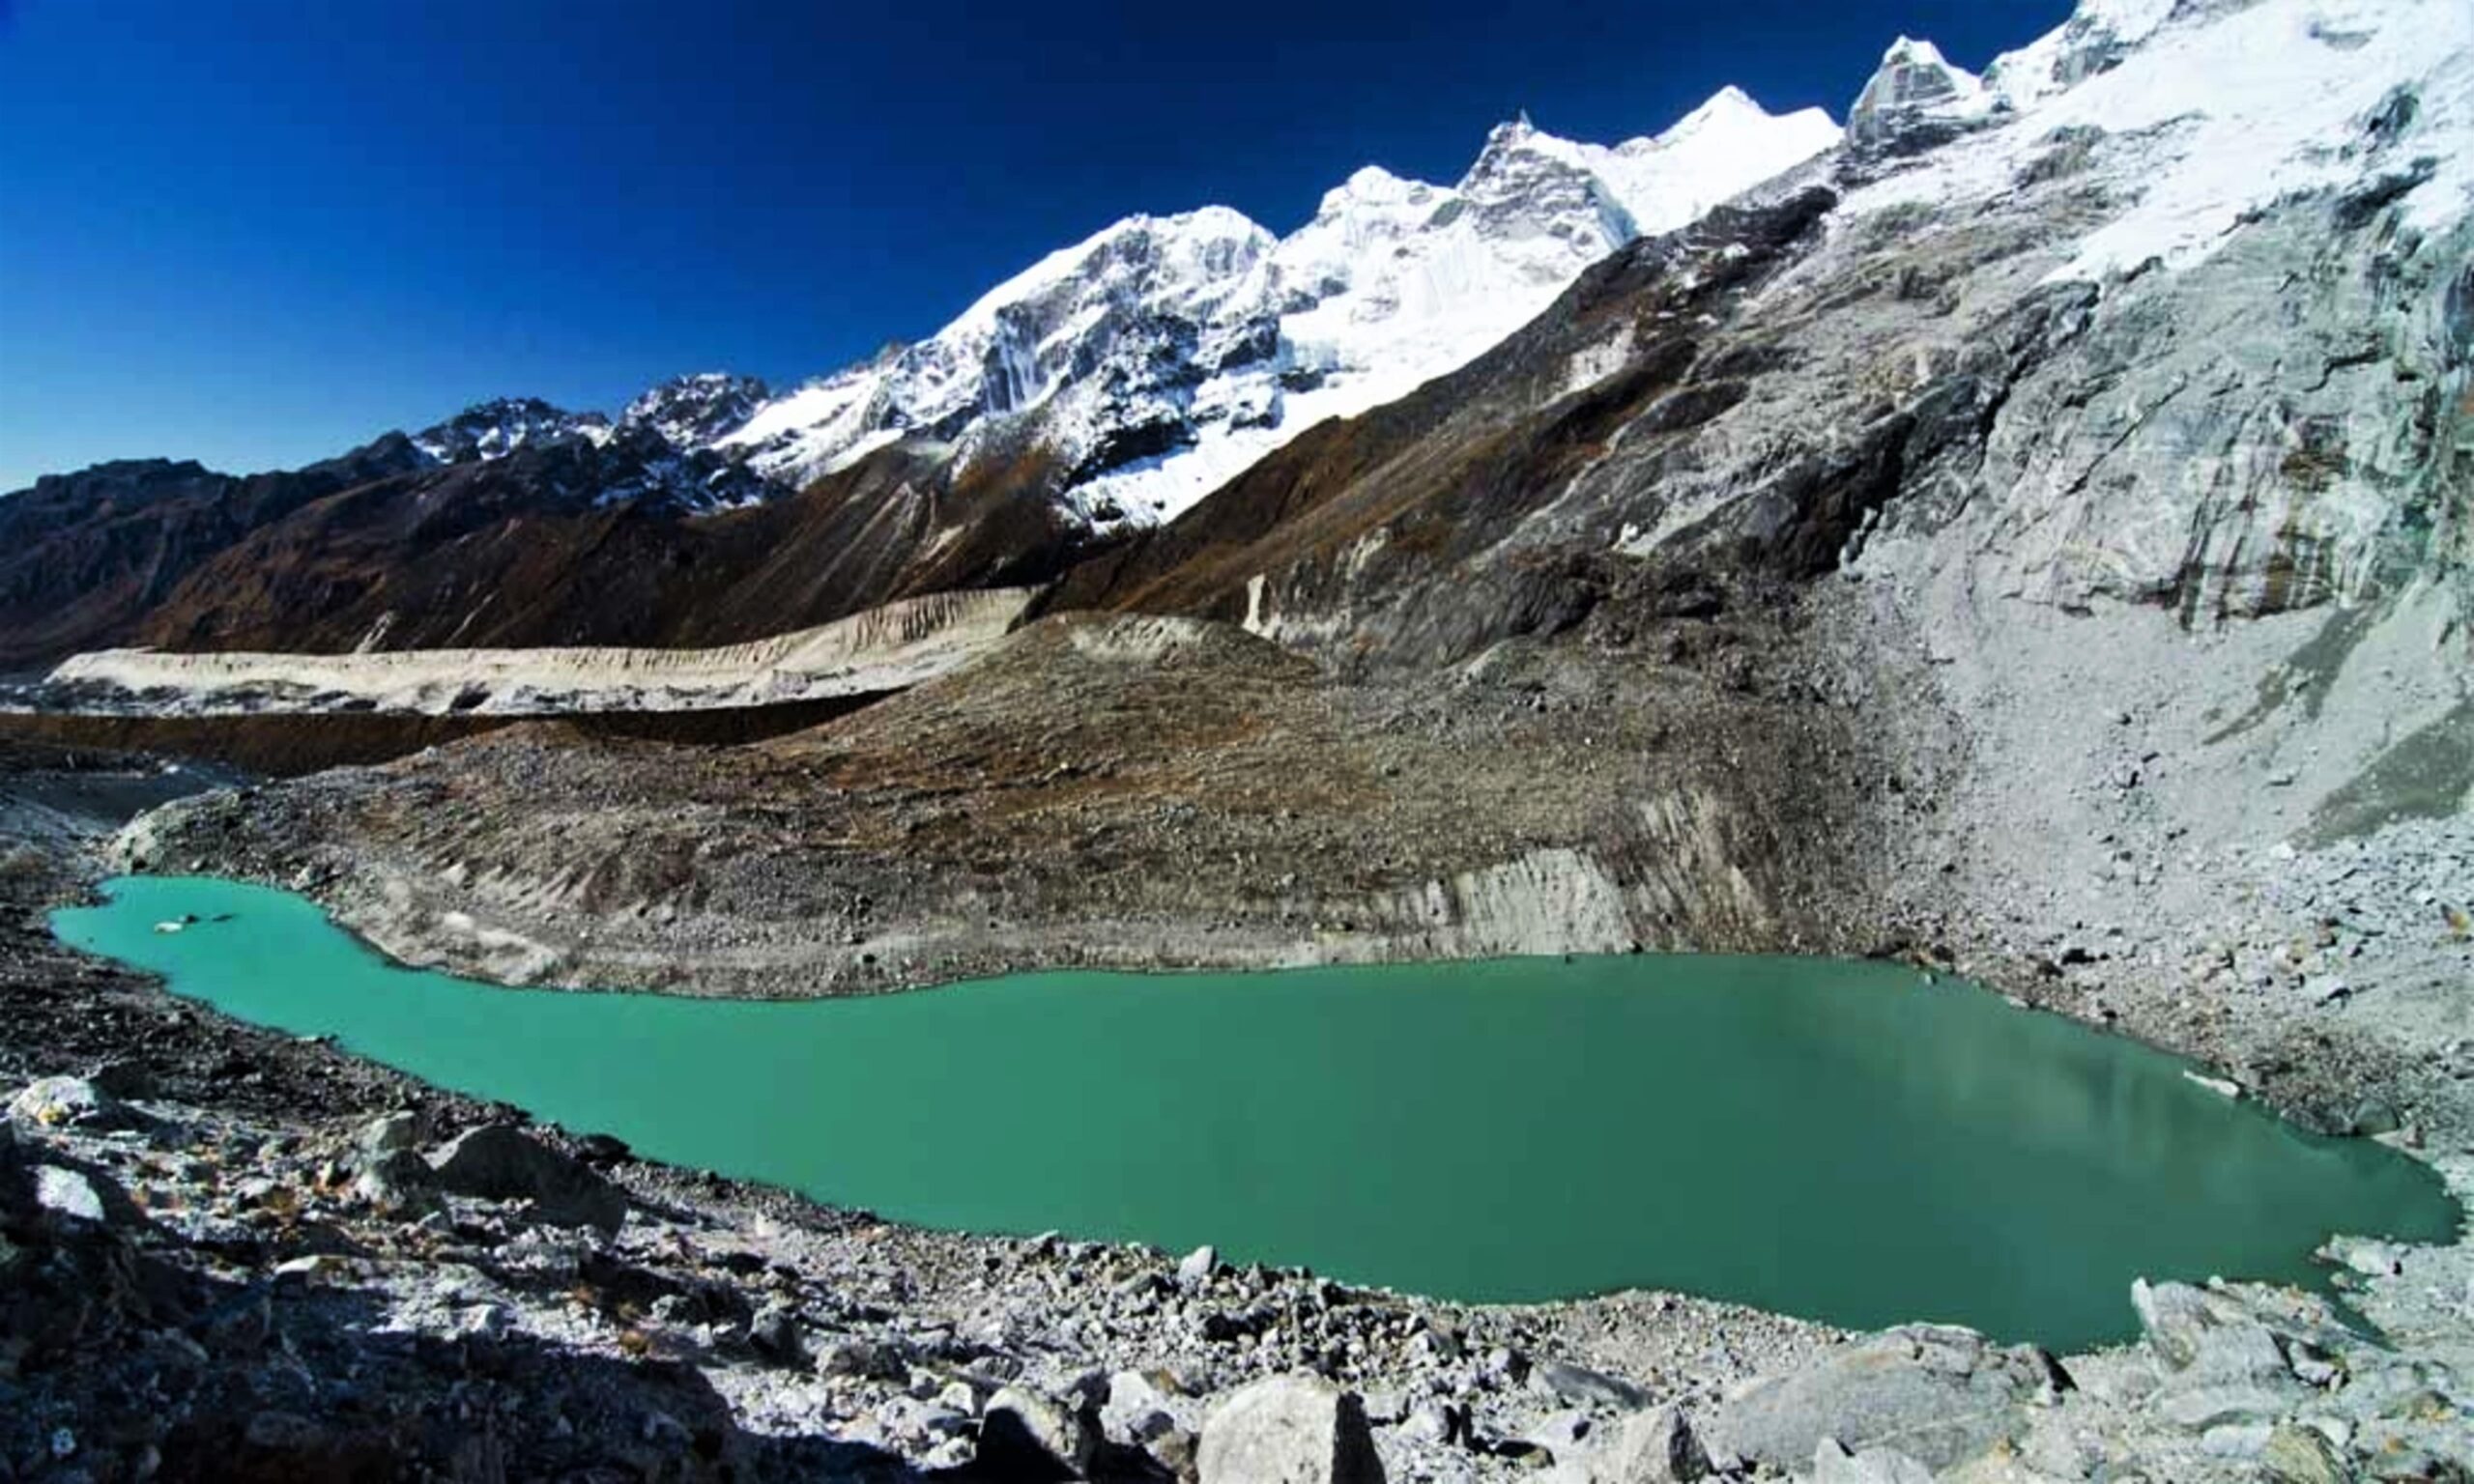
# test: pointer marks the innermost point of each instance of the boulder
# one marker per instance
(2300, 1455)
(775, 1333)
(1583, 1386)
(1941, 1393)
(1136, 1409)
(1196, 1267)
(1562, 1433)
(2207, 1339)
(1655, 1446)
(400, 1181)
(72, 1102)
(381, 1136)
(499, 1162)
(867, 1359)
(2199, 1407)
(1177, 1452)
(71, 1194)
(1293, 1429)
(2372, 1118)
(1026, 1436)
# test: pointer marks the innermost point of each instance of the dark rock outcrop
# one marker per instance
(501, 1163)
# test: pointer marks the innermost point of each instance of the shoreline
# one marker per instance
(2193, 1066)
(1489, 1420)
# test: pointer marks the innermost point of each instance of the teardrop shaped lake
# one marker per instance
(1838, 1140)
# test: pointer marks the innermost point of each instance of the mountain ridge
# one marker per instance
(1110, 385)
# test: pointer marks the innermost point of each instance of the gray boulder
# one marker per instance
(1941, 1393)
(399, 1181)
(2207, 1339)
(1293, 1429)
(1026, 1436)
(72, 1102)
(1656, 1446)
(775, 1333)
(1583, 1386)
(865, 1359)
(1136, 1409)
(386, 1134)
(499, 1162)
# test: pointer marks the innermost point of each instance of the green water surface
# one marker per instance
(1843, 1141)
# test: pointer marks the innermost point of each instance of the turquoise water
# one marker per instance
(1837, 1140)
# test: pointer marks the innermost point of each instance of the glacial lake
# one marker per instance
(1843, 1141)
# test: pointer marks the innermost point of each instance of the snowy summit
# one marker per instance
(1161, 355)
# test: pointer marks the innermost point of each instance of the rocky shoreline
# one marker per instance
(397, 1305)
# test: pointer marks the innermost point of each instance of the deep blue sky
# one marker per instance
(256, 232)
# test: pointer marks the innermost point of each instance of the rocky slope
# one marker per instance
(141, 551)
(522, 552)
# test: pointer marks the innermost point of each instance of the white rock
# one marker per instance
(1292, 1429)
(68, 1193)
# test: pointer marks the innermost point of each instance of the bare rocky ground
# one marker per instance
(226, 1254)
(1179, 794)
(1126, 791)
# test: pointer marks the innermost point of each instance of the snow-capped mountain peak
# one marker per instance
(1160, 355)
(1916, 98)
(501, 425)
(696, 409)
(1730, 109)
(2193, 115)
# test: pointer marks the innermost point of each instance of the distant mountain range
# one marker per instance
(1107, 389)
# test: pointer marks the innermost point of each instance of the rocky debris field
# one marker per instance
(1104, 790)
(438, 1291)
(229, 1254)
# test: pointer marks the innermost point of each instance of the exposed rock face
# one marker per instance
(496, 428)
(693, 412)
(1913, 102)
(85, 556)
(523, 551)
(395, 545)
